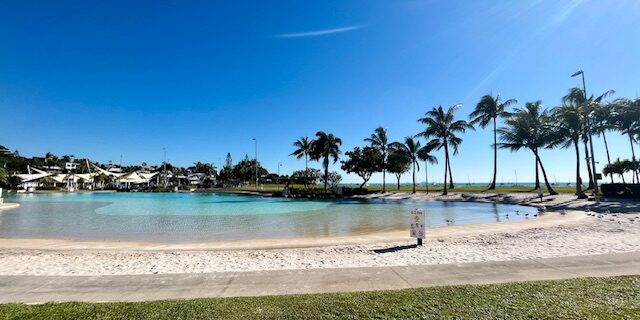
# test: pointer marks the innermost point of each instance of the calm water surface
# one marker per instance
(184, 217)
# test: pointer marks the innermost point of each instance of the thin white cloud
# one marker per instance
(316, 33)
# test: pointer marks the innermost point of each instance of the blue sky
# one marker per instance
(102, 79)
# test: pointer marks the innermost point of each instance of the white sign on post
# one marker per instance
(417, 222)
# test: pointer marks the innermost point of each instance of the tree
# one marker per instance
(587, 106)
(306, 177)
(487, 111)
(618, 167)
(303, 146)
(442, 128)
(228, 161)
(410, 149)
(398, 163)
(627, 120)
(569, 128)
(4, 178)
(380, 141)
(363, 162)
(424, 154)
(325, 147)
(333, 178)
(528, 128)
(245, 170)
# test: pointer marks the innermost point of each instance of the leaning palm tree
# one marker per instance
(487, 111)
(303, 146)
(568, 128)
(528, 128)
(326, 146)
(379, 141)
(410, 149)
(442, 128)
(425, 155)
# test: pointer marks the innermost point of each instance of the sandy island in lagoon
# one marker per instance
(569, 228)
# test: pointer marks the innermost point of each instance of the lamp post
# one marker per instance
(593, 156)
(279, 165)
(255, 142)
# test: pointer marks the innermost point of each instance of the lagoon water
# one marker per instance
(191, 217)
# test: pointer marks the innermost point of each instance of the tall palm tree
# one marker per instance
(326, 146)
(442, 128)
(410, 149)
(425, 155)
(569, 128)
(487, 111)
(303, 146)
(380, 141)
(587, 106)
(528, 128)
(603, 120)
(627, 120)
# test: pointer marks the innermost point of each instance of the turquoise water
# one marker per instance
(186, 217)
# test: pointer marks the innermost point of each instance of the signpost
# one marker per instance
(417, 221)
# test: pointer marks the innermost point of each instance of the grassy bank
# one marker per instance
(588, 298)
(434, 189)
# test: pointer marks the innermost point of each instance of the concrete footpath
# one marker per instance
(39, 289)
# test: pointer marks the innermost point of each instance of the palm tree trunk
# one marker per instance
(537, 185)
(451, 186)
(414, 176)
(579, 191)
(306, 162)
(446, 166)
(586, 153)
(633, 158)
(606, 147)
(426, 177)
(326, 173)
(383, 179)
(495, 156)
(544, 174)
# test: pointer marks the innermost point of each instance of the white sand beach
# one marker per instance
(557, 233)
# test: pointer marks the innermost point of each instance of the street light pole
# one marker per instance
(593, 156)
(279, 165)
(255, 141)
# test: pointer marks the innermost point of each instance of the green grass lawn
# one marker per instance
(421, 188)
(587, 298)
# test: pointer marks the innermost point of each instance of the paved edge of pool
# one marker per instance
(549, 219)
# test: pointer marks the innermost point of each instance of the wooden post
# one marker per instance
(419, 241)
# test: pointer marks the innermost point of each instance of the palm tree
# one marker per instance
(528, 128)
(380, 141)
(627, 120)
(324, 147)
(569, 128)
(424, 155)
(618, 167)
(603, 120)
(587, 107)
(487, 111)
(303, 146)
(442, 128)
(410, 149)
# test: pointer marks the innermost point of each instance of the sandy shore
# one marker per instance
(569, 231)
